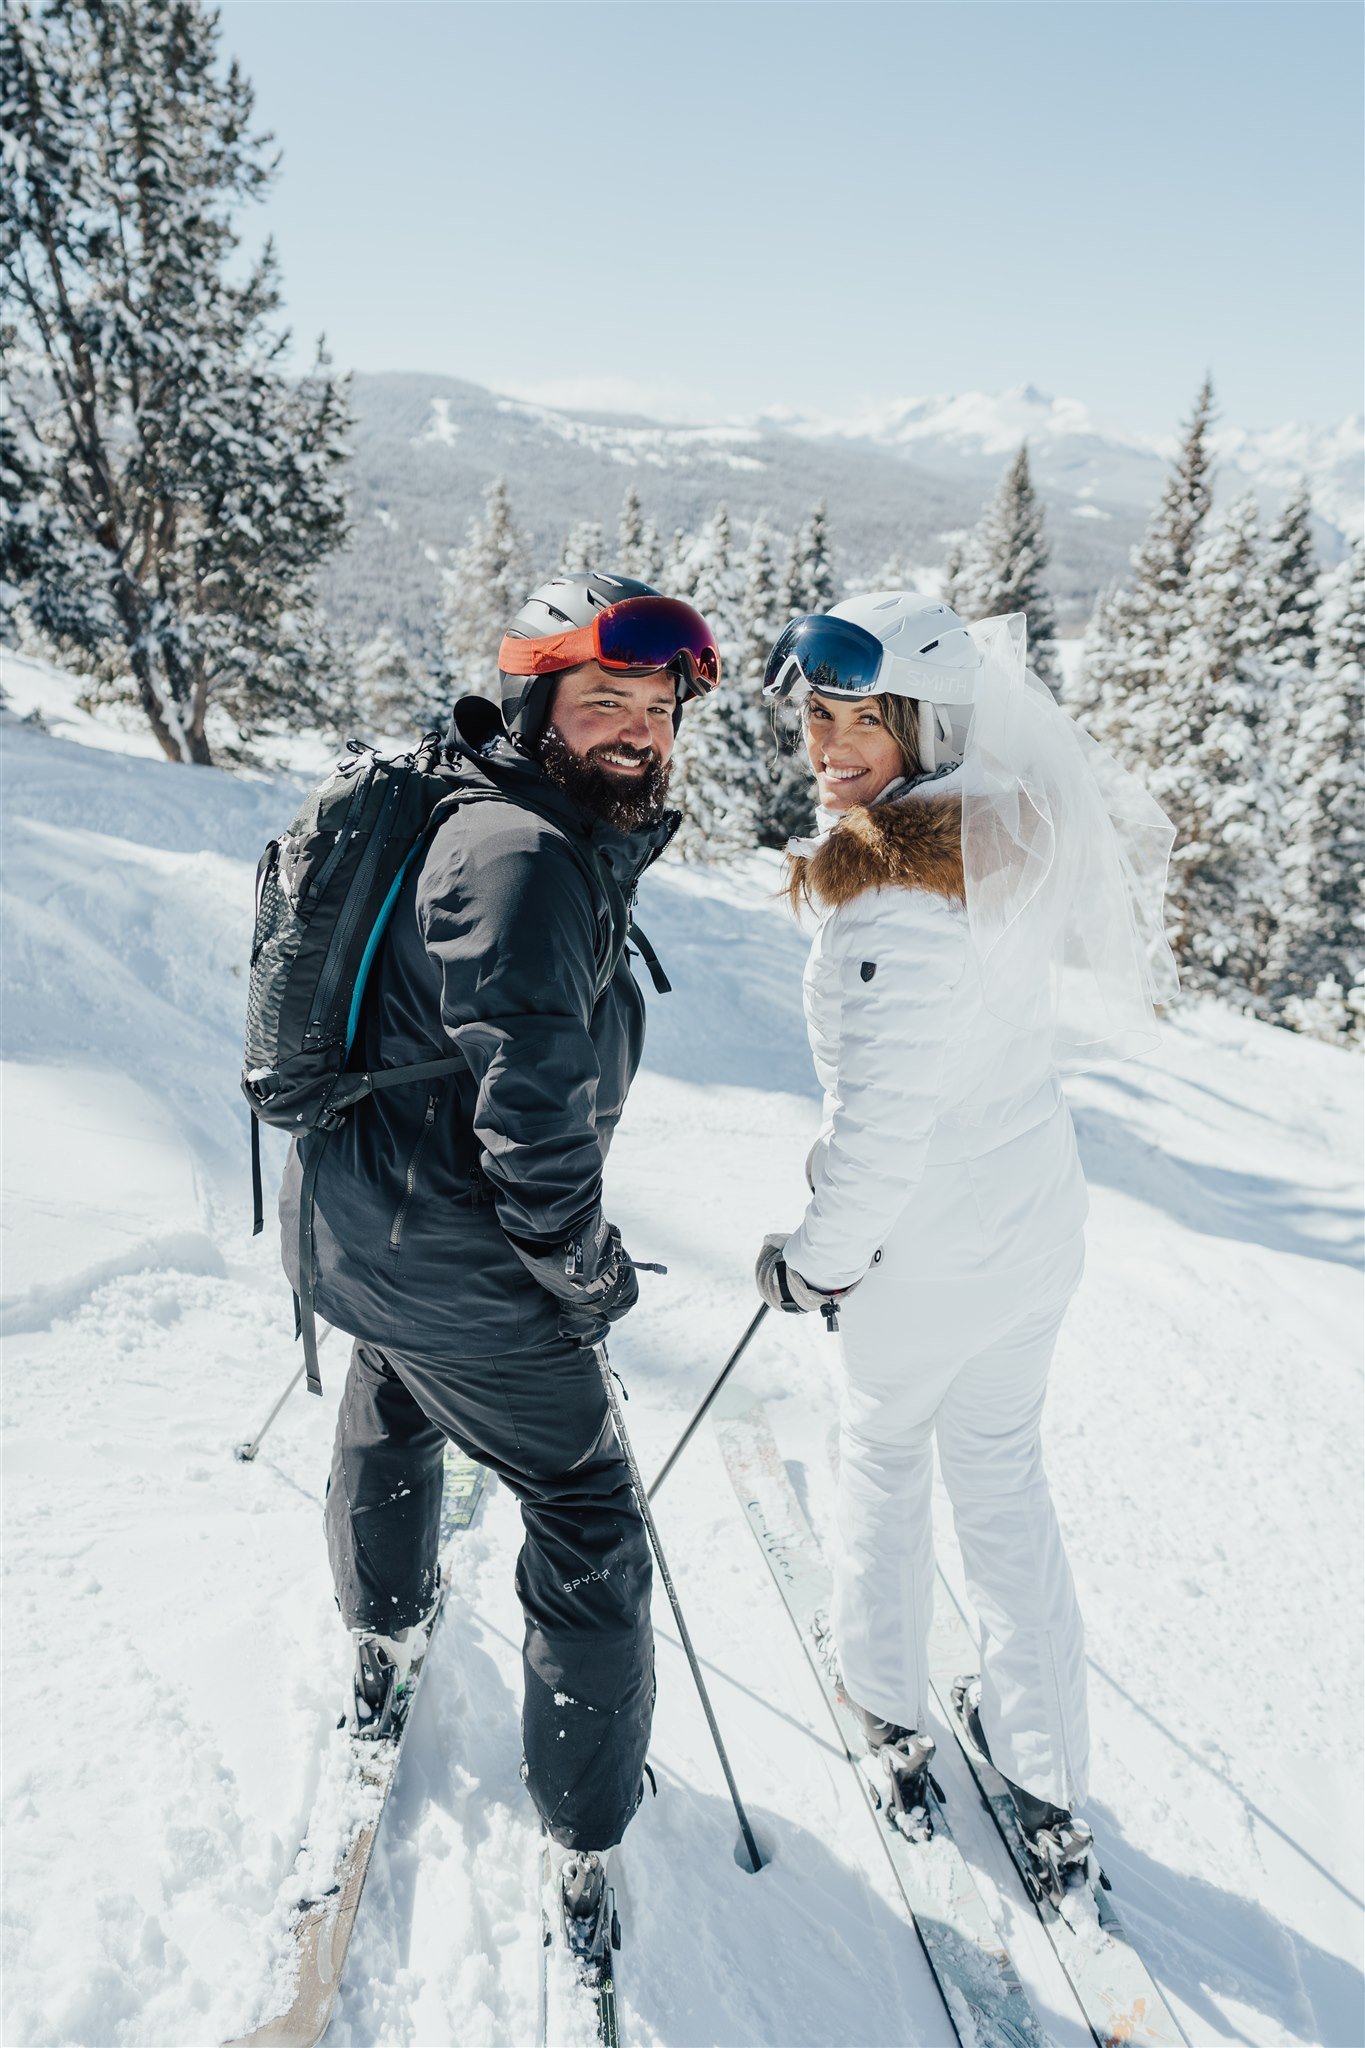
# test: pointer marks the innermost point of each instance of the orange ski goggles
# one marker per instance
(633, 638)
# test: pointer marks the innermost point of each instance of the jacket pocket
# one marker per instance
(410, 1180)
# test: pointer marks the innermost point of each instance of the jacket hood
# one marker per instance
(477, 743)
(914, 842)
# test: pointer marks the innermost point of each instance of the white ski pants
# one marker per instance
(965, 1360)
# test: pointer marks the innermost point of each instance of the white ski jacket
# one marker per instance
(938, 1116)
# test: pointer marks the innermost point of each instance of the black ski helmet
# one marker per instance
(562, 603)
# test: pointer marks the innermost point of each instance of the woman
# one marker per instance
(988, 888)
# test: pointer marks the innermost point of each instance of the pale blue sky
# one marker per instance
(710, 207)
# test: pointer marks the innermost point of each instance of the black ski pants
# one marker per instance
(540, 1421)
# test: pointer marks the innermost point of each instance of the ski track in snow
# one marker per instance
(174, 1666)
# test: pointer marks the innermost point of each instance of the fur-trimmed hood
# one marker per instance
(912, 842)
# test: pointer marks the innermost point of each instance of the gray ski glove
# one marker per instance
(783, 1288)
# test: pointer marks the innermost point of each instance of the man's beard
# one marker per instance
(627, 804)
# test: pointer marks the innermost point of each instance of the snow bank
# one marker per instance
(175, 1665)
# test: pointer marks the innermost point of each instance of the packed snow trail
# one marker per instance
(1202, 1437)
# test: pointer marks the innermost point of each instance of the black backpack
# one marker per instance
(324, 893)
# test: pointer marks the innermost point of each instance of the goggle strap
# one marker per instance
(549, 654)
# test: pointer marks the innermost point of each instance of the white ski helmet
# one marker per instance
(928, 654)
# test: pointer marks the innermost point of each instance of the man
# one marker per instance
(458, 1223)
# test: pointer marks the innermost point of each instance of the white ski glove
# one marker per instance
(783, 1288)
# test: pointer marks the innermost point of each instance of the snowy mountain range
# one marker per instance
(975, 433)
(901, 482)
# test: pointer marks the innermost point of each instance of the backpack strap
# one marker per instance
(257, 1192)
(662, 985)
(304, 1315)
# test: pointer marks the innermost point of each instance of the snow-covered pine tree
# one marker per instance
(957, 585)
(1291, 580)
(1097, 673)
(675, 572)
(583, 549)
(1317, 966)
(651, 555)
(24, 520)
(717, 590)
(189, 488)
(1133, 628)
(819, 589)
(630, 534)
(715, 777)
(1010, 557)
(486, 582)
(1216, 774)
(394, 694)
(785, 803)
(758, 617)
(719, 758)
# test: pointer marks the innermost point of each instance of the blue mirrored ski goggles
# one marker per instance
(832, 656)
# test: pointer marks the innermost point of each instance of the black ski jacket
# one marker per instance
(507, 946)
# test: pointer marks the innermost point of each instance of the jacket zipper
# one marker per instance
(396, 1234)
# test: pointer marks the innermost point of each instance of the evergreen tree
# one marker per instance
(582, 550)
(716, 588)
(484, 586)
(1317, 964)
(1291, 576)
(25, 524)
(715, 777)
(957, 586)
(638, 550)
(1011, 557)
(187, 489)
(676, 575)
(791, 587)
(652, 555)
(1136, 625)
(1098, 676)
(1216, 777)
(759, 621)
(720, 754)
(393, 692)
(895, 573)
(818, 567)
(783, 786)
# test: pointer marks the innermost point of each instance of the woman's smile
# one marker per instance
(852, 752)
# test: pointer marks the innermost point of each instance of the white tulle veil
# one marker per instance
(1065, 856)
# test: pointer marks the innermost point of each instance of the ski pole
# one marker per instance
(750, 1845)
(244, 1453)
(731, 1362)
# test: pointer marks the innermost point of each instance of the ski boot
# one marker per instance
(588, 1908)
(385, 1667)
(1060, 1848)
(897, 1765)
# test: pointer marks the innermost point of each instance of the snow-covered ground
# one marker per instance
(174, 1666)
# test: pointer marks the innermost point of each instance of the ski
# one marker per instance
(603, 1992)
(325, 1916)
(1122, 2006)
(985, 2002)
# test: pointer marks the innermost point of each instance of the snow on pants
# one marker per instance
(965, 1360)
(540, 1421)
